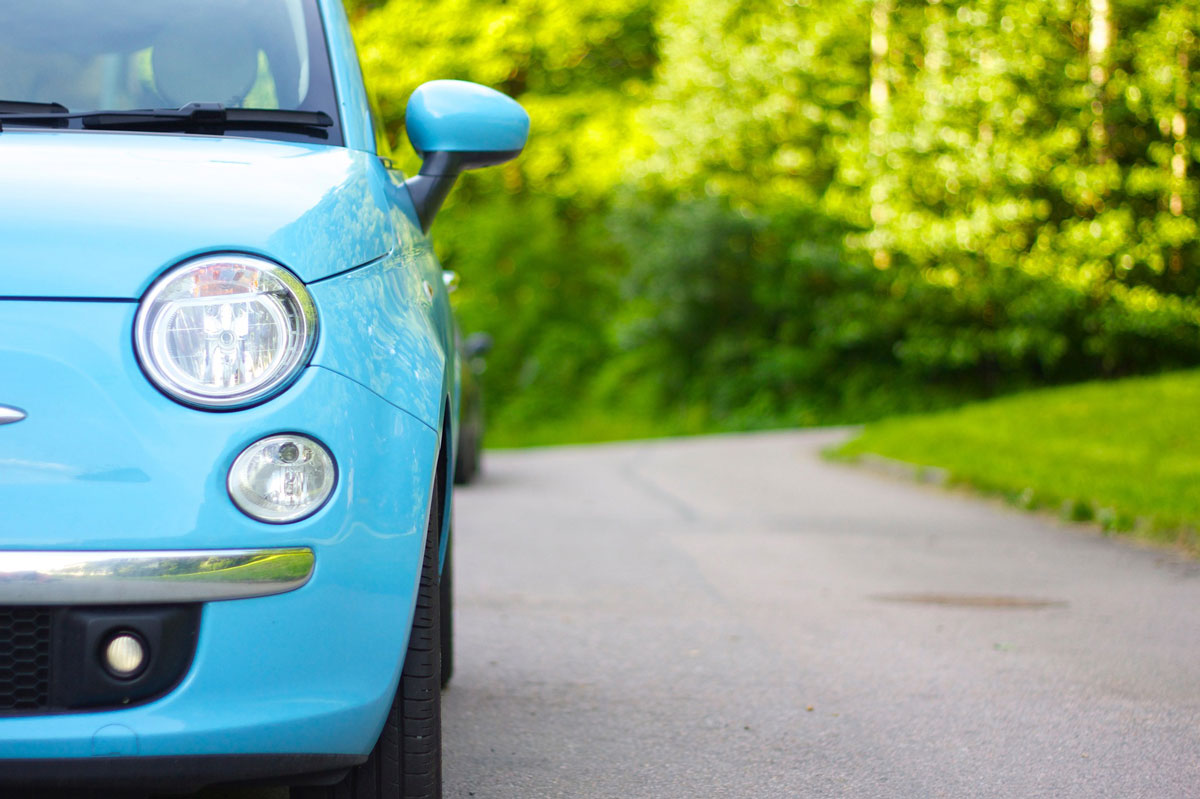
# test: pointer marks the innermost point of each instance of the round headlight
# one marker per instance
(225, 331)
(282, 478)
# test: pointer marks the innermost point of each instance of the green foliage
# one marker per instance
(752, 98)
(538, 276)
(749, 213)
(1124, 453)
(537, 265)
(578, 67)
(768, 326)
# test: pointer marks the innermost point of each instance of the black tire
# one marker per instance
(406, 762)
(466, 466)
(446, 590)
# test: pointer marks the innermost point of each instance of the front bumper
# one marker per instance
(175, 774)
(310, 672)
(105, 462)
(64, 577)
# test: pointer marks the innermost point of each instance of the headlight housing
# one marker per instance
(282, 478)
(225, 331)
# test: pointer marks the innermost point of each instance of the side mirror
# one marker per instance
(454, 126)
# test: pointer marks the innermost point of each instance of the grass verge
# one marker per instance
(594, 426)
(1125, 453)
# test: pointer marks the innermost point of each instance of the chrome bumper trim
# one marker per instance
(139, 578)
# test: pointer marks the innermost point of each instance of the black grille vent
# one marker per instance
(24, 658)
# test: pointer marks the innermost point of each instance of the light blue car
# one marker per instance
(228, 400)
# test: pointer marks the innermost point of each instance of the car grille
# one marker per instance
(24, 658)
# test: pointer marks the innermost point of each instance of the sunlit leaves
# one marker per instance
(867, 204)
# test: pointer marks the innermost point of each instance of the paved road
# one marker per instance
(733, 617)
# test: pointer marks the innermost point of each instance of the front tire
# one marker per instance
(406, 762)
(446, 592)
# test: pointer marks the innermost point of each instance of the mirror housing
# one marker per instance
(454, 126)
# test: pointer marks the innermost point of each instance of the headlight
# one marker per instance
(225, 331)
(282, 478)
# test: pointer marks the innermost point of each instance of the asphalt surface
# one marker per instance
(732, 616)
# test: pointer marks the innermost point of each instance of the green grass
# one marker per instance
(1123, 453)
(594, 426)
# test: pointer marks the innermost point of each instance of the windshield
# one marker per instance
(119, 55)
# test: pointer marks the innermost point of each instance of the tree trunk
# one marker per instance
(880, 99)
(1099, 42)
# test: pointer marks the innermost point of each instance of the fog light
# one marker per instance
(282, 478)
(124, 656)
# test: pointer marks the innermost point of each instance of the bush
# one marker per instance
(772, 319)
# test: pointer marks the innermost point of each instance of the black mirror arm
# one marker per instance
(428, 192)
(439, 170)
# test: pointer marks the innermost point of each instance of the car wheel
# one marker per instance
(406, 762)
(466, 467)
(446, 591)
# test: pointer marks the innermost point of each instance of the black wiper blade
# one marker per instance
(201, 117)
(205, 116)
(53, 114)
(25, 107)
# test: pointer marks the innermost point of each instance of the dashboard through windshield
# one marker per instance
(61, 60)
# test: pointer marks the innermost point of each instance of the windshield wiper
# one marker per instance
(206, 115)
(24, 107)
(201, 117)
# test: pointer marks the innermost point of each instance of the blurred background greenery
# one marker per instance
(736, 214)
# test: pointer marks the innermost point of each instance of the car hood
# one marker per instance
(100, 215)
